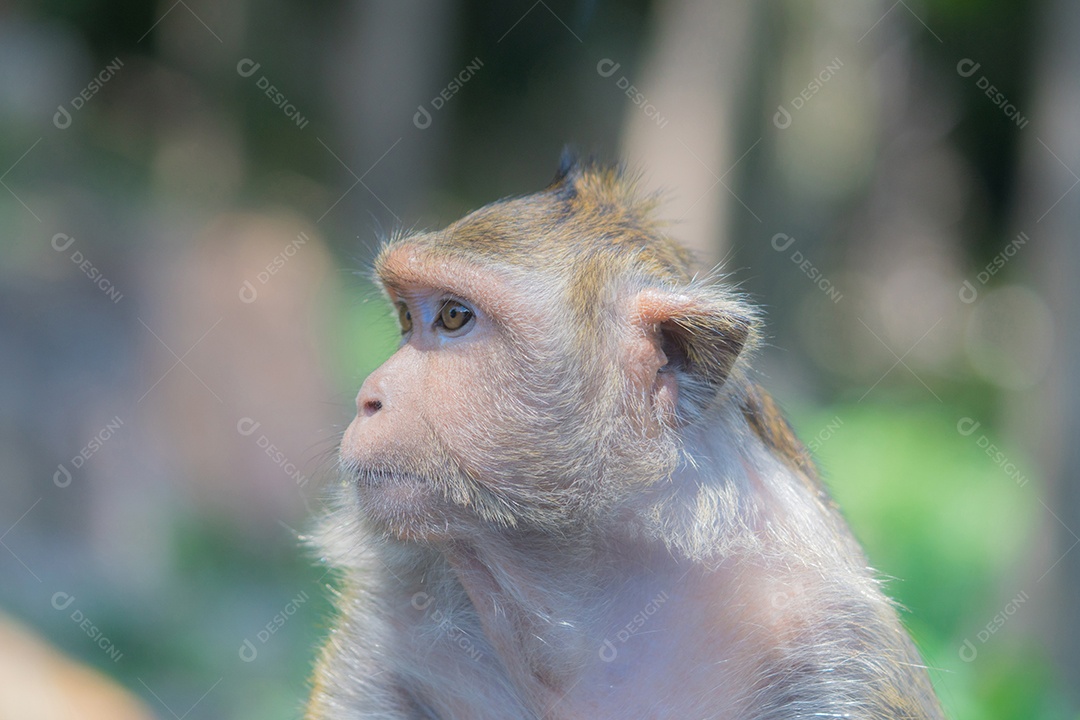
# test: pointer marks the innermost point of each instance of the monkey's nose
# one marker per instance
(370, 399)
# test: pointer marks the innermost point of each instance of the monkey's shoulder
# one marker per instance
(769, 424)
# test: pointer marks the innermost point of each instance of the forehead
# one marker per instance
(414, 263)
(411, 266)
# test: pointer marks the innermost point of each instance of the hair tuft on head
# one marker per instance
(570, 169)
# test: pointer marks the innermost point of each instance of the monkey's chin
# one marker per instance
(404, 505)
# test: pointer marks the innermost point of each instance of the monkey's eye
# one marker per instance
(454, 315)
(404, 318)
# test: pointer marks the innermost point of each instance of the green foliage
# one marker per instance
(944, 524)
(365, 335)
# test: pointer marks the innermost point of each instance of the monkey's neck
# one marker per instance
(519, 579)
(544, 615)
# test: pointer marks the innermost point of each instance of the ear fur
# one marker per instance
(701, 332)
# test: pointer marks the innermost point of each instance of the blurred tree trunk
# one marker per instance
(692, 77)
(385, 59)
(1049, 419)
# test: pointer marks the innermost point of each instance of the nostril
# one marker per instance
(372, 406)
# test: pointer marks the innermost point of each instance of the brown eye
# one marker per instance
(454, 315)
(404, 318)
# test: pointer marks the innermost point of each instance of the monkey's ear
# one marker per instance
(700, 334)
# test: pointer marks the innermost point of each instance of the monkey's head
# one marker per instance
(556, 350)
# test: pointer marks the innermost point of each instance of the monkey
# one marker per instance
(566, 496)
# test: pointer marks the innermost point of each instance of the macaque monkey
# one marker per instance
(565, 497)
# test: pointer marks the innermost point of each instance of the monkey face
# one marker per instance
(461, 424)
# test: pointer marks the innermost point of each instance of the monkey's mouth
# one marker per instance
(378, 479)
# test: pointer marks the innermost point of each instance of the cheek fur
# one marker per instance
(459, 400)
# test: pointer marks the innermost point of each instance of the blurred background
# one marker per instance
(192, 191)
